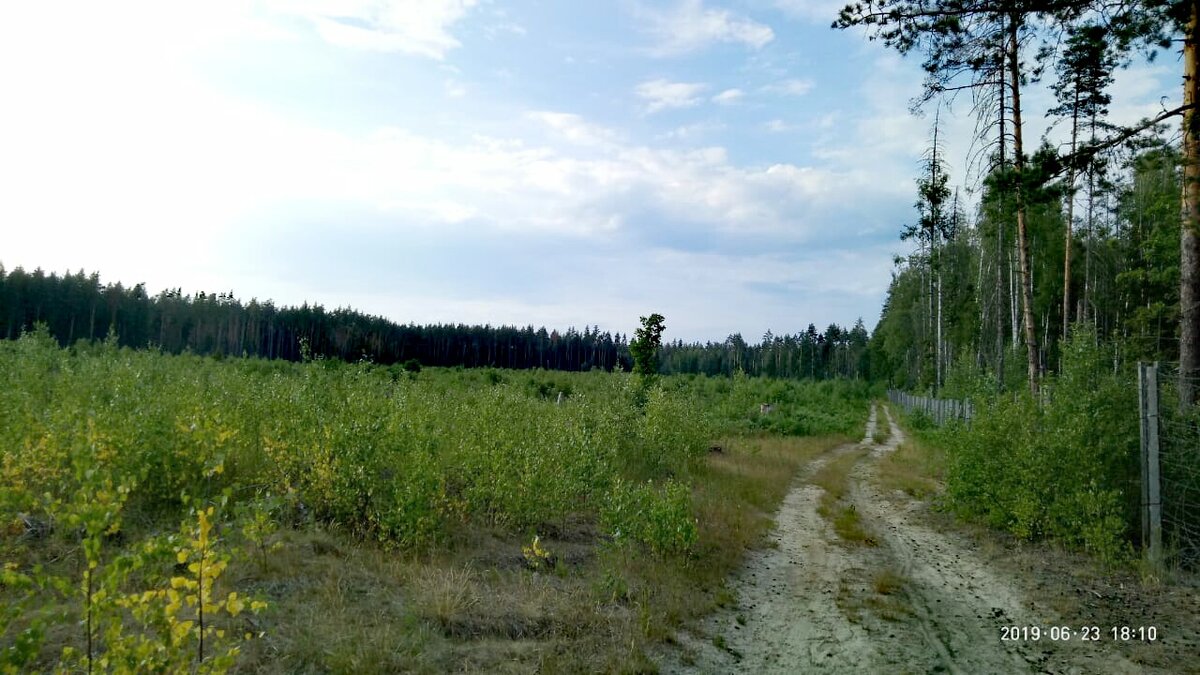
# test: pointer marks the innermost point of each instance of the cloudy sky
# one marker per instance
(732, 164)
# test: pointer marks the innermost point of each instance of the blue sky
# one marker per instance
(734, 165)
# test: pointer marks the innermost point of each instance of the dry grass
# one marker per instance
(834, 479)
(848, 525)
(881, 596)
(887, 581)
(914, 468)
(882, 431)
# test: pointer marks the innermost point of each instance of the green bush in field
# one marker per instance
(801, 408)
(1065, 469)
(397, 459)
(657, 517)
(381, 452)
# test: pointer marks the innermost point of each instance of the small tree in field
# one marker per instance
(645, 344)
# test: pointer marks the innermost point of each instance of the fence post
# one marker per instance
(1152, 469)
(1151, 488)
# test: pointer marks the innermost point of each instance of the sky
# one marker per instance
(734, 165)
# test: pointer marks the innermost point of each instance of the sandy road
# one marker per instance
(811, 603)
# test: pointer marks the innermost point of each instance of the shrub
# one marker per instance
(658, 517)
(1064, 469)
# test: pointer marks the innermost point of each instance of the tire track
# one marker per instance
(787, 619)
(811, 603)
(960, 604)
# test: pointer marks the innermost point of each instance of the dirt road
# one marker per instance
(910, 599)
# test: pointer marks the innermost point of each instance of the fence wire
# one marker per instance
(1179, 462)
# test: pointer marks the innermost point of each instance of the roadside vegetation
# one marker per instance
(1063, 468)
(916, 467)
(184, 512)
(835, 505)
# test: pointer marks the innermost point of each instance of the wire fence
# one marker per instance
(1179, 467)
(940, 410)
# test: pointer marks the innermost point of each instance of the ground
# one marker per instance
(860, 577)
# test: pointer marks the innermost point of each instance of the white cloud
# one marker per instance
(690, 131)
(729, 96)
(778, 126)
(662, 94)
(506, 27)
(690, 26)
(791, 87)
(454, 88)
(574, 128)
(419, 27)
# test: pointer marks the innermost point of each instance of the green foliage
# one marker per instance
(658, 517)
(1148, 285)
(799, 408)
(1065, 469)
(402, 461)
(646, 343)
(96, 436)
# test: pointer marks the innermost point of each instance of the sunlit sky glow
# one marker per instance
(735, 166)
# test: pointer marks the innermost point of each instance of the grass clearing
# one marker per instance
(834, 479)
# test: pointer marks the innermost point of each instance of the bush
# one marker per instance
(1066, 469)
(658, 517)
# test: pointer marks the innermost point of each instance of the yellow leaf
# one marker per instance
(181, 557)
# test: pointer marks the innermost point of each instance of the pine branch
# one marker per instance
(1081, 157)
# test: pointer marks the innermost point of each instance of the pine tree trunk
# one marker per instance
(1013, 299)
(935, 264)
(1031, 342)
(1189, 260)
(1066, 307)
(1000, 258)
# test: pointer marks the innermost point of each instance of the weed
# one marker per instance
(834, 479)
(887, 581)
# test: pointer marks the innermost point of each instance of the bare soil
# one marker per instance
(923, 594)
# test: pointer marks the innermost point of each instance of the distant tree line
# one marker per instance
(79, 307)
(835, 353)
